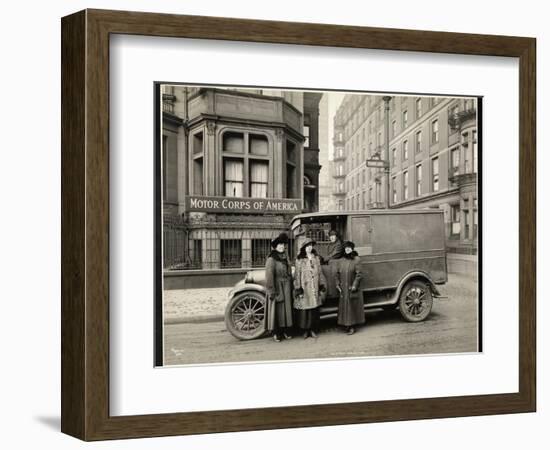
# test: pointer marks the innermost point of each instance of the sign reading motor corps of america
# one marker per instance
(243, 205)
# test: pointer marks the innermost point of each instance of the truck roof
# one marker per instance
(370, 212)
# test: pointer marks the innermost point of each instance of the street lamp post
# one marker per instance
(387, 146)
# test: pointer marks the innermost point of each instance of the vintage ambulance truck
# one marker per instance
(402, 257)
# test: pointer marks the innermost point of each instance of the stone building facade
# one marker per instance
(236, 165)
(432, 155)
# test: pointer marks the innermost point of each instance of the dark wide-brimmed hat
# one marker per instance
(349, 244)
(281, 239)
(306, 243)
(333, 233)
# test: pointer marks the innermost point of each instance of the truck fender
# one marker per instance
(248, 287)
(417, 274)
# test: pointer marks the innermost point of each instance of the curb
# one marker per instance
(194, 319)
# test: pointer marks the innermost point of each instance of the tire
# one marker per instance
(245, 315)
(416, 301)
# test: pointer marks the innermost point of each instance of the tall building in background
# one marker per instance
(432, 158)
(326, 200)
(312, 149)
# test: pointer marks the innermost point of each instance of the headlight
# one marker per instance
(249, 278)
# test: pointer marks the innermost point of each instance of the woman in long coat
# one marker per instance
(278, 274)
(350, 307)
(309, 288)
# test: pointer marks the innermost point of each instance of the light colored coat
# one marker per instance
(309, 277)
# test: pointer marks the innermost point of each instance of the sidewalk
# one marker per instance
(194, 305)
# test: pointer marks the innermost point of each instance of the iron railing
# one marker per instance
(185, 248)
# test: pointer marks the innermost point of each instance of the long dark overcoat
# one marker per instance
(278, 277)
(350, 307)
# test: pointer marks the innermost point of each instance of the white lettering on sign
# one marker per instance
(204, 203)
(220, 204)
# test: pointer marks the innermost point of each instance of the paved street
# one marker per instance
(451, 327)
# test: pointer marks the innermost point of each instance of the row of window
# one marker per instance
(362, 114)
(246, 170)
(357, 158)
(464, 220)
(228, 255)
(418, 181)
(470, 153)
(469, 166)
(360, 138)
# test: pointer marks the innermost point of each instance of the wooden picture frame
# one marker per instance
(85, 224)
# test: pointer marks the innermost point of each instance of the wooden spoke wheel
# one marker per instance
(245, 315)
(415, 301)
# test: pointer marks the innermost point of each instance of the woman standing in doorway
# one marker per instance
(351, 310)
(278, 276)
(309, 288)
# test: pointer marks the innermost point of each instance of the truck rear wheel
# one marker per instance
(415, 301)
(245, 315)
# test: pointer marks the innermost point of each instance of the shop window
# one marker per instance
(230, 253)
(195, 253)
(260, 250)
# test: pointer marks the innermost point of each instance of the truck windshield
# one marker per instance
(319, 232)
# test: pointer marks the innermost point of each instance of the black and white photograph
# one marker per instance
(298, 224)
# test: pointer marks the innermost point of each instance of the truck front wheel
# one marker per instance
(415, 301)
(245, 315)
